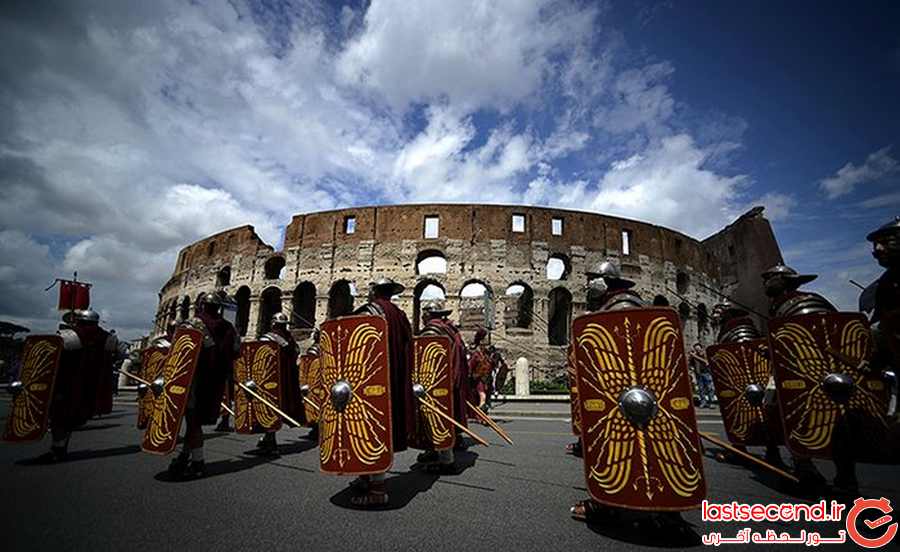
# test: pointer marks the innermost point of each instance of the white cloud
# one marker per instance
(877, 166)
(778, 206)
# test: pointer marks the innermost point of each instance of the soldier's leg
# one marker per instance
(267, 443)
(60, 436)
(190, 461)
(574, 448)
(375, 495)
(844, 457)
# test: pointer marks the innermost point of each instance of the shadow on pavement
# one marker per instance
(757, 473)
(94, 427)
(646, 529)
(75, 456)
(285, 449)
(401, 490)
(220, 467)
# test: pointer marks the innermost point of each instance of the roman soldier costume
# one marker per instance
(290, 400)
(481, 369)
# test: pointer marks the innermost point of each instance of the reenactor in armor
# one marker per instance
(480, 369)
(83, 386)
(400, 359)
(291, 402)
(736, 326)
(221, 346)
(782, 286)
(882, 297)
(437, 323)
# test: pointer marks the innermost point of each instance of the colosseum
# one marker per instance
(517, 270)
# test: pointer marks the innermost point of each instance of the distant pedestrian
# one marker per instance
(700, 367)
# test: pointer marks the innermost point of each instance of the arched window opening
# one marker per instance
(559, 316)
(660, 301)
(303, 303)
(682, 282)
(223, 278)
(684, 310)
(431, 261)
(185, 311)
(520, 306)
(198, 302)
(340, 299)
(425, 290)
(173, 311)
(242, 317)
(702, 318)
(476, 306)
(558, 267)
(274, 266)
(269, 304)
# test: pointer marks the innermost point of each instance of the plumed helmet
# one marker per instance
(887, 230)
(729, 308)
(787, 273)
(86, 315)
(212, 298)
(387, 285)
(610, 274)
(280, 318)
(435, 308)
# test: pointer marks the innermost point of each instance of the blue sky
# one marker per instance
(128, 130)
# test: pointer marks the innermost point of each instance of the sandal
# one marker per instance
(584, 509)
(372, 499)
(359, 485)
(574, 449)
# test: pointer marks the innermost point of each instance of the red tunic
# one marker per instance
(460, 369)
(289, 384)
(400, 351)
(84, 381)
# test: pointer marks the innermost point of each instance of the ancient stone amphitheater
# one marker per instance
(518, 270)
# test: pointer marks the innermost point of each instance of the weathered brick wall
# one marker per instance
(479, 245)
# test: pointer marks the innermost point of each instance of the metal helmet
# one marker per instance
(86, 315)
(435, 308)
(610, 274)
(781, 278)
(886, 243)
(280, 318)
(387, 285)
(212, 298)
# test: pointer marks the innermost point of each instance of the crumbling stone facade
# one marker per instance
(328, 259)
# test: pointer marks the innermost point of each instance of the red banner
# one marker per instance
(74, 295)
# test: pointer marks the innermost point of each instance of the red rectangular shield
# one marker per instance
(355, 435)
(640, 440)
(178, 371)
(431, 370)
(152, 360)
(574, 411)
(259, 362)
(806, 350)
(740, 372)
(30, 409)
(310, 375)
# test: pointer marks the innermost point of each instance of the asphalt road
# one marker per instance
(111, 496)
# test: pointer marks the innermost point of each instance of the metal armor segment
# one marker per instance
(152, 359)
(170, 404)
(805, 303)
(740, 372)
(356, 440)
(71, 341)
(310, 376)
(821, 384)
(259, 362)
(573, 391)
(639, 431)
(431, 370)
(30, 409)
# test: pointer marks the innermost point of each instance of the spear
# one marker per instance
(157, 386)
(490, 423)
(420, 394)
(750, 457)
(250, 388)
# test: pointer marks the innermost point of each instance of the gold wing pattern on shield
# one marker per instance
(165, 419)
(734, 376)
(355, 427)
(670, 437)
(28, 409)
(428, 375)
(241, 402)
(607, 375)
(856, 345)
(264, 368)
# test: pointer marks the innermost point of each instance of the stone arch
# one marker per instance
(242, 317)
(559, 316)
(173, 312)
(558, 267)
(269, 304)
(661, 301)
(520, 308)
(223, 277)
(431, 261)
(185, 311)
(273, 267)
(684, 310)
(702, 318)
(340, 299)
(476, 303)
(682, 282)
(198, 302)
(426, 289)
(303, 303)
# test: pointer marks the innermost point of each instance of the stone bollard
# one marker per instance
(522, 378)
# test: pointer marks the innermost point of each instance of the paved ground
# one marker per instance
(112, 496)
